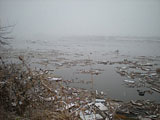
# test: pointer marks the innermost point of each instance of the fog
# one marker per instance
(99, 45)
(81, 17)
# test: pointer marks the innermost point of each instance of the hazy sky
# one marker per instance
(82, 17)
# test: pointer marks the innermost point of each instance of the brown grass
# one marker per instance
(23, 94)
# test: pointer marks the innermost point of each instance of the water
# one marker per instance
(72, 53)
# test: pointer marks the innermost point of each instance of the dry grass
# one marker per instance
(24, 94)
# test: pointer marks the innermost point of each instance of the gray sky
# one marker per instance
(82, 17)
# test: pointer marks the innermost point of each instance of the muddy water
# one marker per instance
(68, 57)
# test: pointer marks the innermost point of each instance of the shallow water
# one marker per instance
(67, 57)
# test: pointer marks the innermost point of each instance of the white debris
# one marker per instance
(102, 92)
(20, 103)
(91, 116)
(2, 82)
(100, 100)
(148, 64)
(124, 67)
(134, 103)
(13, 104)
(155, 89)
(69, 105)
(107, 118)
(89, 104)
(59, 64)
(47, 99)
(153, 74)
(54, 79)
(129, 81)
(101, 106)
(96, 92)
(56, 91)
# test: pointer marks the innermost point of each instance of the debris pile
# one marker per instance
(140, 74)
(91, 71)
(138, 110)
(26, 93)
(39, 94)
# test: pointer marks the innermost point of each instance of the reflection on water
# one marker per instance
(84, 61)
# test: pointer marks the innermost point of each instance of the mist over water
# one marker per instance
(75, 30)
(38, 18)
(67, 56)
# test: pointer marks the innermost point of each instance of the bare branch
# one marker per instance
(4, 32)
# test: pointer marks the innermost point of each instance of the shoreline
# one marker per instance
(41, 90)
(80, 70)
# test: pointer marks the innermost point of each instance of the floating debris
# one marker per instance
(142, 73)
(28, 91)
(129, 81)
(155, 89)
(103, 62)
(93, 72)
(141, 93)
(138, 110)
